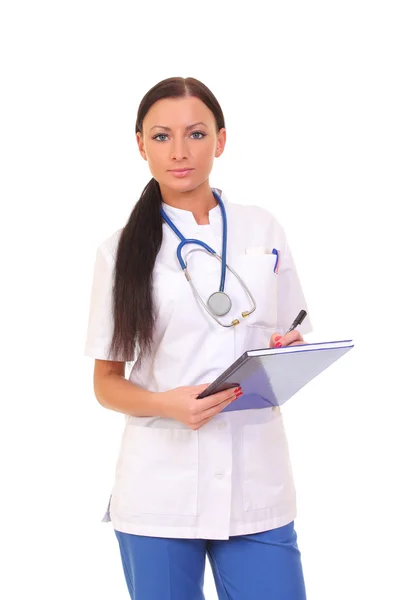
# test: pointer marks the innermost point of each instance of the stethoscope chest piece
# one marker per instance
(219, 303)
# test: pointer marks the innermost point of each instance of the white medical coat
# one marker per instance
(233, 475)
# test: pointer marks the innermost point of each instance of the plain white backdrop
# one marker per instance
(310, 92)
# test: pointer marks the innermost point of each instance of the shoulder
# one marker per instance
(109, 246)
(254, 217)
(251, 212)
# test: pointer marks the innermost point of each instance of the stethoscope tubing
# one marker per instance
(185, 241)
(222, 259)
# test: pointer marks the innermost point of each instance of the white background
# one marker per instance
(310, 92)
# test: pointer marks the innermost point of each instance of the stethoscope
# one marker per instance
(219, 303)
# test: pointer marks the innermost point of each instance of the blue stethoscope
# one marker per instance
(219, 303)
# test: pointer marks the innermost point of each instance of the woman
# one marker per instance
(193, 479)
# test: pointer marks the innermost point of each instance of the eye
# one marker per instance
(199, 132)
(157, 136)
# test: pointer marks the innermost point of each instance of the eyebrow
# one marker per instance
(187, 128)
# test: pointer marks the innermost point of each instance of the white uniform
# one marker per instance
(233, 475)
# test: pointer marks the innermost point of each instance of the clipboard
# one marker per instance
(271, 376)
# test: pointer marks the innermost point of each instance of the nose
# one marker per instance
(179, 149)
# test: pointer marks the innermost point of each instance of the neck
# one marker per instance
(198, 201)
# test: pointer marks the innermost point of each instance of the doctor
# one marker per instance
(192, 480)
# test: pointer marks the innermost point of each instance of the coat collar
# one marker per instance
(186, 216)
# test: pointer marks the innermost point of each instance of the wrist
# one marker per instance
(157, 401)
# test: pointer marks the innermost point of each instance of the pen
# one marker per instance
(298, 320)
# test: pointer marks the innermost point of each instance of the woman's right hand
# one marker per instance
(183, 404)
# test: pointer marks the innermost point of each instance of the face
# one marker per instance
(180, 133)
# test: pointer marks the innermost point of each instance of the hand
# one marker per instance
(292, 338)
(182, 404)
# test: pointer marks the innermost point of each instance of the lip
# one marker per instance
(180, 172)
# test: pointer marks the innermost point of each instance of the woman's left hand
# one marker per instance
(292, 338)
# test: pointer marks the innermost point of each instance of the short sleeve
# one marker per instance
(100, 322)
(290, 294)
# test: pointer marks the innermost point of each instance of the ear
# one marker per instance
(140, 144)
(221, 141)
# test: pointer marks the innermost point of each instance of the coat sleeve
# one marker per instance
(100, 321)
(290, 294)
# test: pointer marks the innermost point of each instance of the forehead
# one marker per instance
(178, 112)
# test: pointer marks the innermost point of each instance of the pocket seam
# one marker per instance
(252, 267)
(126, 465)
(249, 498)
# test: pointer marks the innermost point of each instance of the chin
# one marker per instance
(181, 185)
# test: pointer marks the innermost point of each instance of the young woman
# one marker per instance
(193, 479)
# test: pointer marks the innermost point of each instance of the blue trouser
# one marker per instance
(260, 566)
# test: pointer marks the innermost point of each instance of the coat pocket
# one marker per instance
(267, 472)
(257, 272)
(159, 471)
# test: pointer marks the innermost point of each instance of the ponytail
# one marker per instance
(133, 306)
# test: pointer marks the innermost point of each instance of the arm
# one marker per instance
(115, 392)
(111, 388)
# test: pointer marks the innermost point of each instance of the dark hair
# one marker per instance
(141, 238)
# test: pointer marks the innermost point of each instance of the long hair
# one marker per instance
(141, 238)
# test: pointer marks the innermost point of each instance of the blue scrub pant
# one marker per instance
(260, 566)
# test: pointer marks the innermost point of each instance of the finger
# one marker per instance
(275, 338)
(211, 412)
(197, 389)
(292, 336)
(216, 399)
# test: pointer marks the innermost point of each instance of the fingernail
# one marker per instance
(239, 389)
(278, 345)
(277, 338)
(239, 394)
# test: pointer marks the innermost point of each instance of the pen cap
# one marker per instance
(300, 317)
